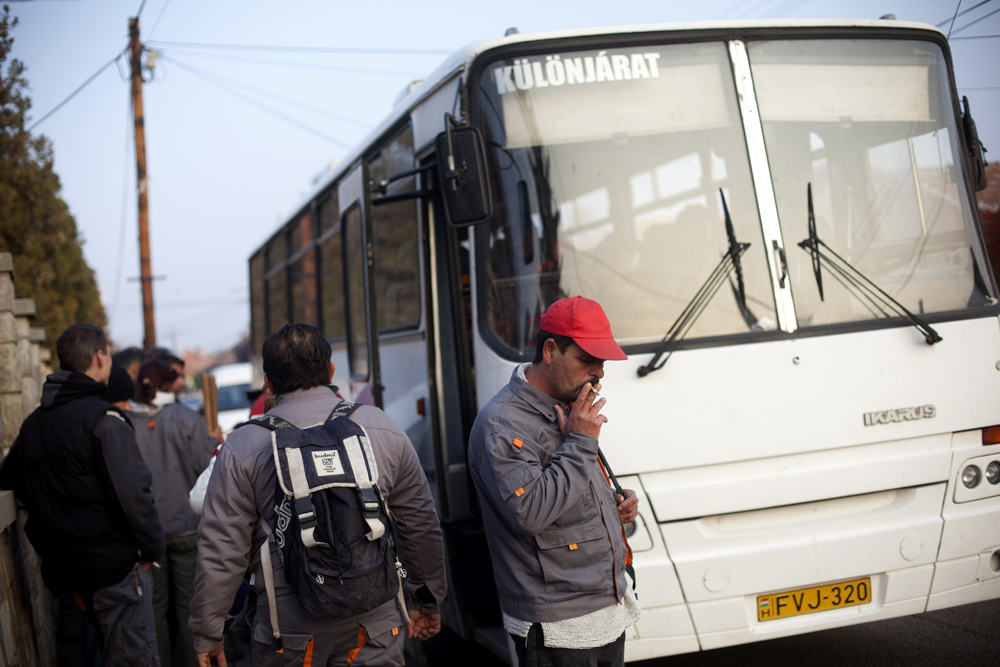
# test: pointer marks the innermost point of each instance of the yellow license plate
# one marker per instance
(817, 598)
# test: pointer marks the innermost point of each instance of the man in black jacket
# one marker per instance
(77, 469)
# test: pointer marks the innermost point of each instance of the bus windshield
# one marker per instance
(612, 165)
(870, 125)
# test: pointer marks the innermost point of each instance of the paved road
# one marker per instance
(966, 636)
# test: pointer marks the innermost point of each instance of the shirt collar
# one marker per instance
(320, 391)
(531, 395)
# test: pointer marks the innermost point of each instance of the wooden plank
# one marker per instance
(211, 393)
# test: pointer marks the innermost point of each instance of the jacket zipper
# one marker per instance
(614, 556)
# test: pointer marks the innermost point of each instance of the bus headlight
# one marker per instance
(971, 477)
(993, 472)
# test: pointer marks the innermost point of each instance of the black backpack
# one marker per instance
(331, 527)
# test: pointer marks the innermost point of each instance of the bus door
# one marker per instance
(396, 296)
(362, 354)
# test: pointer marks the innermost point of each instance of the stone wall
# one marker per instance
(27, 609)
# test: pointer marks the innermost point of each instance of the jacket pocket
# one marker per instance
(296, 647)
(380, 641)
(133, 644)
(576, 557)
(125, 592)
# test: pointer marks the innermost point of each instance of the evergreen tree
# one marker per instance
(35, 224)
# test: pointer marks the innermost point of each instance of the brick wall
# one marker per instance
(27, 609)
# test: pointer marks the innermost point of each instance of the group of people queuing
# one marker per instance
(321, 508)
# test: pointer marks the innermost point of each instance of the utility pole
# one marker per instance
(145, 269)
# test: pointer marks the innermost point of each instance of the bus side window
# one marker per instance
(395, 236)
(357, 316)
(331, 263)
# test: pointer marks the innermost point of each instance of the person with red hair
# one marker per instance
(176, 445)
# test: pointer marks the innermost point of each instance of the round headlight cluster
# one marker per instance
(993, 472)
(971, 476)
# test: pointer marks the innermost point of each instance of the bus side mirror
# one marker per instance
(976, 148)
(464, 185)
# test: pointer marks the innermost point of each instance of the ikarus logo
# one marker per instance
(555, 70)
(900, 415)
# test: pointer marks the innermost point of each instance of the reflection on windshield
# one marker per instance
(234, 397)
(870, 124)
(611, 191)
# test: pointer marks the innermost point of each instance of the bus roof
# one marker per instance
(462, 58)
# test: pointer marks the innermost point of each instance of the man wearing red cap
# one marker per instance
(554, 525)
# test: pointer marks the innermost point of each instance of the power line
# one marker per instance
(218, 301)
(754, 8)
(955, 39)
(306, 49)
(941, 24)
(121, 233)
(301, 65)
(141, 6)
(73, 94)
(263, 107)
(982, 88)
(981, 18)
(782, 10)
(952, 25)
(732, 8)
(286, 100)
(159, 16)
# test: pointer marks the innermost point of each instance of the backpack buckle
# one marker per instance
(306, 512)
(370, 506)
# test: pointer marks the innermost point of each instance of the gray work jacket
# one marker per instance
(551, 520)
(241, 494)
(175, 444)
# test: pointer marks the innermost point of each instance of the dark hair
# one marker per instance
(296, 356)
(120, 385)
(169, 359)
(562, 341)
(129, 356)
(77, 346)
(154, 375)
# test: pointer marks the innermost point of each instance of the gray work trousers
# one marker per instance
(123, 616)
(372, 639)
(173, 588)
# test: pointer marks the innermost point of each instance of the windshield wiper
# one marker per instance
(850, 277)
(729, 263)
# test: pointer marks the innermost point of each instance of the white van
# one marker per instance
(233, 382)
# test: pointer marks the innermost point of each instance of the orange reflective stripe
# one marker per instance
(308, 660)
(519, 492)
(395, 631)
(79, 602)
(573, 547)
(518, 443)
(353, 653)
(605, 473)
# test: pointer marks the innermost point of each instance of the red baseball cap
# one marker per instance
(584, 321)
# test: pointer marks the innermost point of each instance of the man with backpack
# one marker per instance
(307, 502)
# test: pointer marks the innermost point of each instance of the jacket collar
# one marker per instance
(527, 392)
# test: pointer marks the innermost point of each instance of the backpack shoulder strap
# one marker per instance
(343, 409)
(270, 422)
(268, 569)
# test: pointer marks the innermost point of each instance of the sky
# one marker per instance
(223, 173)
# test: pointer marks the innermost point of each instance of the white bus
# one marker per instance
(784, 210)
